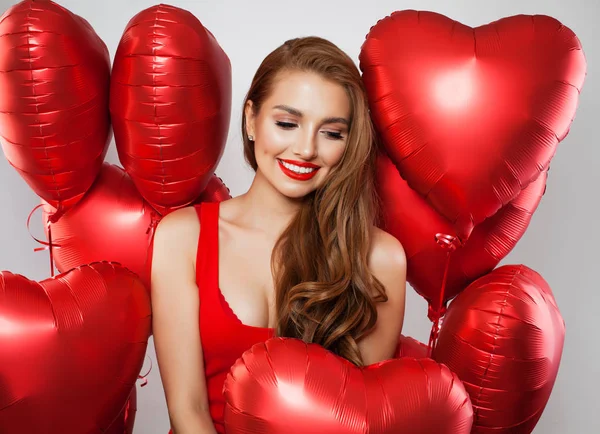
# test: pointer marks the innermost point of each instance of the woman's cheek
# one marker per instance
(333, 155)
(274, 141)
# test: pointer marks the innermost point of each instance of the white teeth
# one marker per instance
(298, 169)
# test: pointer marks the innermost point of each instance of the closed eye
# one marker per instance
(285, 125)
(289, 125)
(334, 135)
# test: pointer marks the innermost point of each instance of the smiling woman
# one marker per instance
(303, 130)
(298, 255)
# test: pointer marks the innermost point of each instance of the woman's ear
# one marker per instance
(249, 115)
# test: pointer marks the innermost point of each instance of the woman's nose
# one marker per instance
(306, 147)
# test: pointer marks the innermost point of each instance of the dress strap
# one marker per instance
(208, 247)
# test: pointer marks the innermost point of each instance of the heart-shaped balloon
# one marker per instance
(409, 218)
(503, 336)
(288, 386)
(72, 348)
(113, 223)
(170, 102)
(54, 82)
(471, 116)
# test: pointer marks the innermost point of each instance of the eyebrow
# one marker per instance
(296, 112)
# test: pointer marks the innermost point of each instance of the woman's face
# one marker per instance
(300, 132)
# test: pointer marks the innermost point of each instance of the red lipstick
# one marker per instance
(295, 175)
(300, 163)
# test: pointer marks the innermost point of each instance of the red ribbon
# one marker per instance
(48, 245)
(450, 244)
(143, 377)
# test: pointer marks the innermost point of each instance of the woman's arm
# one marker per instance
(387, 262)
(175, 313)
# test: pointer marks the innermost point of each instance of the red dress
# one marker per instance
(224, 337)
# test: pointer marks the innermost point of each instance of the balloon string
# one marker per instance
(154, 220)
(50, 246)
(50, 249)
(448, 243)
(143, 377)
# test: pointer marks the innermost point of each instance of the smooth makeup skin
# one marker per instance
(304, 120)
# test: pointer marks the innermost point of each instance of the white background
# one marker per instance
(561, 243)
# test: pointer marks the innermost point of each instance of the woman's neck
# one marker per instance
(265, 208)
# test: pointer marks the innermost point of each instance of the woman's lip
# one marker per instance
(300, 163)
(296, 176)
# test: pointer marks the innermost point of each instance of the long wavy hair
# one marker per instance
(324, 290)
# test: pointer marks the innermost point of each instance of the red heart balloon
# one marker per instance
(503, 336)
(54, 82)
(287, 386)
(170, 102)
(409, 218)
(113, 223)
(471, 116)
(72, 348)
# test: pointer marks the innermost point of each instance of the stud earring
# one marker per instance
(250, 137)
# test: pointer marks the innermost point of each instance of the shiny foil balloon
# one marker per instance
(54, 87)
(503, 337)
(409, 218)
(72, 348)
(113, 223)
(471, 116)
(287, 386)
(170, 102)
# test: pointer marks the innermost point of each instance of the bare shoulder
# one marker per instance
(179, 222)
(387, 260)
(175, 242)
(385, 245)
(177, 227)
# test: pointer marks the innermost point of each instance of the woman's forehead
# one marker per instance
(309, 94)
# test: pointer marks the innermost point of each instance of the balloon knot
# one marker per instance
(154, 220)
(434, 315)
(447, 242)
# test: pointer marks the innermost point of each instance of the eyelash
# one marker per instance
(289, 125)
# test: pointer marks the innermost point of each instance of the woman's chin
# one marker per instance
(294, 191)
(299, 194)
(291, 188)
